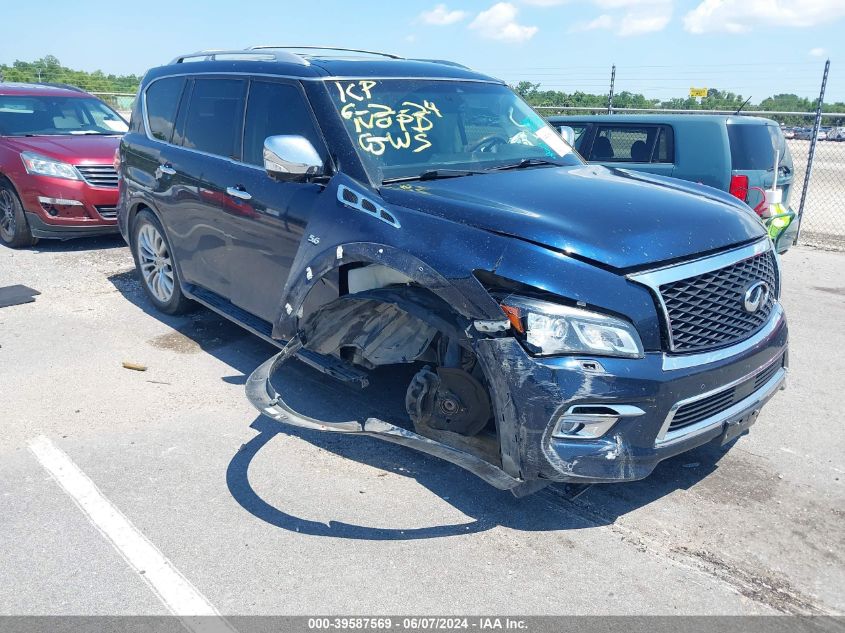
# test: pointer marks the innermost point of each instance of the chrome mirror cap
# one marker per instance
(291, 157)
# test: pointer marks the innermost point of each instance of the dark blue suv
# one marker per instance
(560, 321)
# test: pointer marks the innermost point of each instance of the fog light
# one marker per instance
(590, 421)
(62, 202)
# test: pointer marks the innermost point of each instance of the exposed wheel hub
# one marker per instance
(449, 400)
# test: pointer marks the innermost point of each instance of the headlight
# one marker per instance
(550, 328)
(44, 166)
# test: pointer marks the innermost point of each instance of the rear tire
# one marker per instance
(14, 229)
(157, 266)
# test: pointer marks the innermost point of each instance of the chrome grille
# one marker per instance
(706, 311)
(714, 404)
(98, 175)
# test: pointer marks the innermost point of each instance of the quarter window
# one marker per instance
(162, 101)
(272, 109)
(215, 112)
(632, 144)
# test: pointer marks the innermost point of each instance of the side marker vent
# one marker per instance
(356, 201)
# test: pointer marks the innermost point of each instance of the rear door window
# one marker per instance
(214, 117)
(276, 108)
(632, 144)
(753, 146)
(162, 101)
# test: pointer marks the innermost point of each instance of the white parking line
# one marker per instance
(174, 590)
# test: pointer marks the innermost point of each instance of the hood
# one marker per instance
(621, 219)
(77, 149)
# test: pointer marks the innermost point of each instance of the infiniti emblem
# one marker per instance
(755, 296)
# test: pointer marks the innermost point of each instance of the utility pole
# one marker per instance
(811, 156)
(612, 83)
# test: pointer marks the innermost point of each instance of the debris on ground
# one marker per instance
(134, 366)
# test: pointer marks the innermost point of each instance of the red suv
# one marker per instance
(57, 175)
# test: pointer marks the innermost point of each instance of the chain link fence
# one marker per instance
(120, 101)
(823, 217)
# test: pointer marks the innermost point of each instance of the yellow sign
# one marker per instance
(698, 92)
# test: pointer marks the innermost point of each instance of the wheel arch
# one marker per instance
(465, 297)
(132, 213)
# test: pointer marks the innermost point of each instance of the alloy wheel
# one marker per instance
(7, 215)
(155, 263)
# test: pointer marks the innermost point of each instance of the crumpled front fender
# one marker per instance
(431, 252)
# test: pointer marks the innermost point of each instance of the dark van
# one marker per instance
(558, 321)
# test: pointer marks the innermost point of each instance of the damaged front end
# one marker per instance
(559, 376)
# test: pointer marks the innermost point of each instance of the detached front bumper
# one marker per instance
(682, 402)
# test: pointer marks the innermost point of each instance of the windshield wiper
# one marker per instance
(435, 174)
(527, 162)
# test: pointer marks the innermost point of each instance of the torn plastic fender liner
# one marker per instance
(264, 397)
(382, 333)
(388, 325)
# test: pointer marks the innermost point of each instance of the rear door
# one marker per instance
(268, 220)
(209, 138)
(153, 163)
(642, 147)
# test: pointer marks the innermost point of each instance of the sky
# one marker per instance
(660, 48)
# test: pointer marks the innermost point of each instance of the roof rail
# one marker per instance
(324, 48)
(445, 62)
(268, 55)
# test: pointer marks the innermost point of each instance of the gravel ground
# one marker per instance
(264, 519)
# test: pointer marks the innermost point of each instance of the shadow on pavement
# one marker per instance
(99, 243)
(315, 395)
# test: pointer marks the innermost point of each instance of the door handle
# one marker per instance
(166, 168)
(240, 194)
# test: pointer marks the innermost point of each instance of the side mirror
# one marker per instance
(568, 134)
(291, 157)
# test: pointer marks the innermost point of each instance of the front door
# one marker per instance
(269, 216)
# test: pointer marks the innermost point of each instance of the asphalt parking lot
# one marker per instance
(258, 518)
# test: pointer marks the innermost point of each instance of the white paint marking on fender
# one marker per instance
(174, 590)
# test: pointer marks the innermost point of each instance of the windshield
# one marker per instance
(403, 128)
(52, 116)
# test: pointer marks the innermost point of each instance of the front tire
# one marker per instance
(156, 264)
(14, 229)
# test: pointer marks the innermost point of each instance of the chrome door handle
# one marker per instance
(167, 168)
(240, 194)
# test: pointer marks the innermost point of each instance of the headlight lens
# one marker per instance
(550, 328)
(44, 166)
